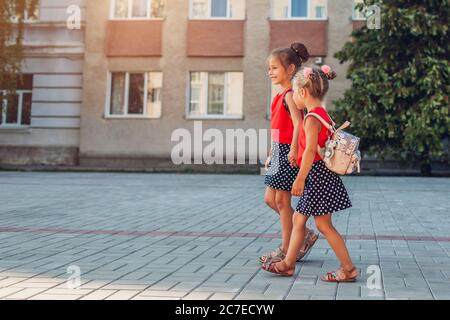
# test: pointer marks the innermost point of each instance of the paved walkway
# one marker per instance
(168, 236)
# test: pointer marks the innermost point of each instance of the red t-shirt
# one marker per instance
(281, 120)
(323, 134)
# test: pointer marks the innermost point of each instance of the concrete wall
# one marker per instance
(340, 26)
(151, 137)
(54, 55)
(71, 80)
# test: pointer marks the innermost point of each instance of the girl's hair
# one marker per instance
(296, 54)
(315, 80)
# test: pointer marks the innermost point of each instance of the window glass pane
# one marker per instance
(121, 9)
(136, 94)
(280, 9)
(300, 8)
(199, 8)
(12, 109)
(139, 9)
(195, 92)
(26, 109)
(319, 12)
(25, 82)
(237, 9)
(219, 8)
(32, 13)
(157, 8)
(358, 14)
(154, 86)
(117, 93)
(216, 92)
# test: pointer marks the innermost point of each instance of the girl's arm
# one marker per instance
(296, 116)
(312, 129)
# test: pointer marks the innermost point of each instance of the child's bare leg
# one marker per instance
(283, 201)
(269, 199)
(297, 239)
(325, 226)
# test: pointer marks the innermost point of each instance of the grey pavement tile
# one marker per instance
(218, 264)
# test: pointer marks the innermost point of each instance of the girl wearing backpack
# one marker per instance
(283, 64)
(321, 190)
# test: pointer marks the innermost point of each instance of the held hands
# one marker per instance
(292, 157)
(298, 187)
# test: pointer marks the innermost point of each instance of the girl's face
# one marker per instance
(276, 72)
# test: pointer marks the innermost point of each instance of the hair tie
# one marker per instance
(326, 69)
(308, 73)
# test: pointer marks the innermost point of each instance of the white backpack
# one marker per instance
(341, 154)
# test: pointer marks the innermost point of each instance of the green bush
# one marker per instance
(398, 102)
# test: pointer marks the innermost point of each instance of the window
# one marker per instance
(136, 9)
(30, 14)
(15, 109)
(215, 95)
(298, 9)
(134, 94)
(358, 14)
(320, 11)
(217, 9)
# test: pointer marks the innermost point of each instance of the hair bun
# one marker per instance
(301, 51)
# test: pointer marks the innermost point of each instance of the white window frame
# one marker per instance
(4, 103)
(26, 18)
(354, 15)
(324, 13)
(126, 115)
(205, 84)
(291, 18)
(208, 9)
(130, 11)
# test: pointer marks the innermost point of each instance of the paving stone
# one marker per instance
(147, 242)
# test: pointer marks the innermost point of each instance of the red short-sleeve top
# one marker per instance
(281, 123)
(323, 134)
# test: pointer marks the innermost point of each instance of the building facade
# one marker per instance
(113, 92)
(42, 126)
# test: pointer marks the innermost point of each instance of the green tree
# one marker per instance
(12, 16)
(398, 101)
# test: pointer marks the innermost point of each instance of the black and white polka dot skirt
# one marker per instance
(324, 192)
(280, 174)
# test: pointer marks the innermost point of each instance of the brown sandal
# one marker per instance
(275, 256)
(272, 268)
(310, 240)
(334, 276)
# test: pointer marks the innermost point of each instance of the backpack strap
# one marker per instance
(332, 128)
(318, 117)
(326, 124)
(320, 151)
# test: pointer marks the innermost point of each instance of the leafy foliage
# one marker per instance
(398, 102)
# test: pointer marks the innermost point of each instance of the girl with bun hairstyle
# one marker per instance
(321, 191)
(283, 64)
